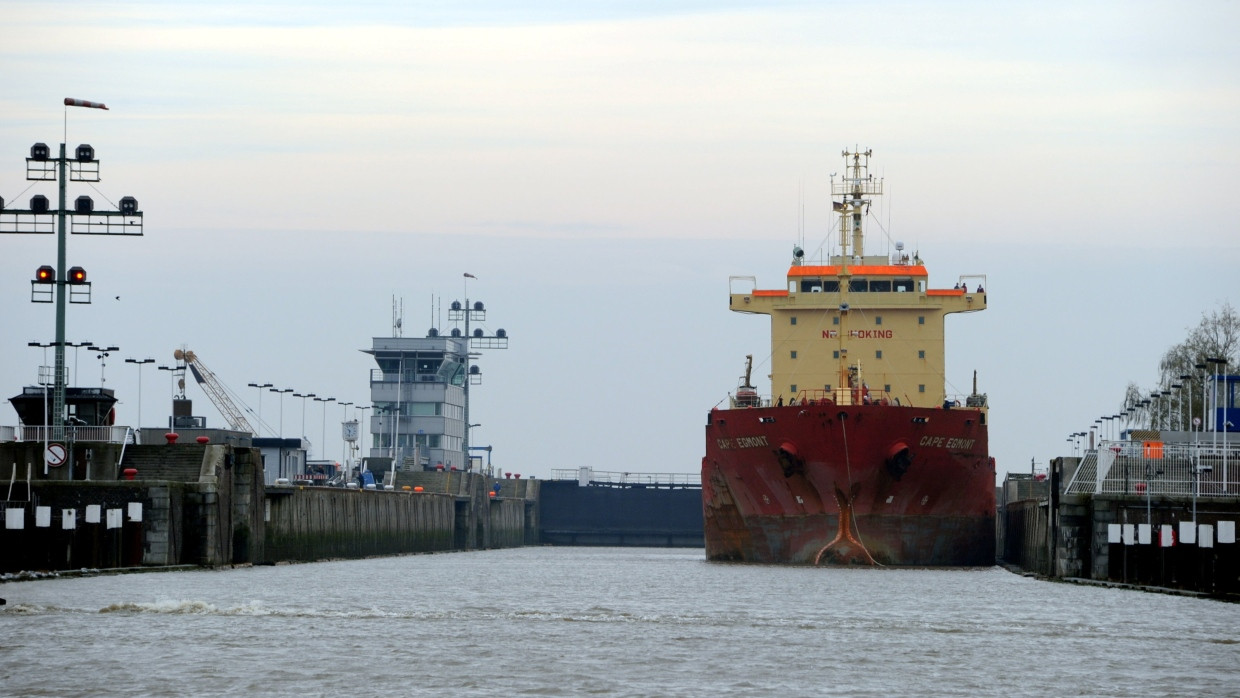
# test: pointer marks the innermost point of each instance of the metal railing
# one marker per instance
(629, 478)
(111, 435)
(1128, 467)
(843, 396)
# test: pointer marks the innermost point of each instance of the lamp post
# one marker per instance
(104, 353)
(303, 397)
(468, 458)
(1186, 382)
(260, 387)
(1219, 416)
(1176, 395)
(76, 346)
(344, 417)
(172, 372)
(281, 392)
(1202, 369)
(1217, 362)
(139, 363)
(365, 433)
(45, 378)
(1150, 474)
(323, 426)
(1198, 469)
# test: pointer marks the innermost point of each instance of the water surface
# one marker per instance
(606, 622)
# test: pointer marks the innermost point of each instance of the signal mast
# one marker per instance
(55, 283)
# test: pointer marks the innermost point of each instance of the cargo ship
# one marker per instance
(858, 455)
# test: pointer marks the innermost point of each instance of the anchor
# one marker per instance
(851, 550)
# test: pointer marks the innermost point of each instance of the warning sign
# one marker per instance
(55, 454)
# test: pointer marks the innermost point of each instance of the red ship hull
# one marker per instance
(849, 484)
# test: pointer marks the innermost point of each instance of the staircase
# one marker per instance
(177, 462)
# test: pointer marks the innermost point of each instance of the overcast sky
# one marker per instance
(602, 169)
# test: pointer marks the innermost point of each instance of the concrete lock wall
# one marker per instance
(206, 504)
(319, 523)
(453, 511)
(106, 523)
(74, 525)
(1024, 535)
(1081, 541)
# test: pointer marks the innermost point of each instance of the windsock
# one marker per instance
(70, 102)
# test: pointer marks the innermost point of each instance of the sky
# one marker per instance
(602, 169)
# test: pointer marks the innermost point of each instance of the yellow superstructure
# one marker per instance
(861, 328)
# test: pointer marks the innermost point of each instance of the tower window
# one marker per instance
(794, 388)
(835, 320)
(921, 319)
(921, 353)
(794, 353)
(878, 354)
(887, 388)
(921, 388)
(835, 354)
(878, 319)
(794, 319)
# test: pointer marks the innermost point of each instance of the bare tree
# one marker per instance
(1216, 336)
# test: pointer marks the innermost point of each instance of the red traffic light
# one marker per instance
(77, 275)
(45, 274)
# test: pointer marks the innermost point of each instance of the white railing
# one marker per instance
(111, 435)
(1134, 467)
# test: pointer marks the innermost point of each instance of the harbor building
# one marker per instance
(418, 393)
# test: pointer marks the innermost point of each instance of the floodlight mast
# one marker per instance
(40, 166)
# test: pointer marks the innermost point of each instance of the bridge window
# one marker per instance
(811, 286)
(880, 286)
(831, 287)
(904, 285)
(858, 285)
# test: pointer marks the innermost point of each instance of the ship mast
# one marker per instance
(849, 199)
(854, 186)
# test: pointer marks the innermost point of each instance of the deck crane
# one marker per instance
(215, 391)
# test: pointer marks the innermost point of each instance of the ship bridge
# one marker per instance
(880, 321)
